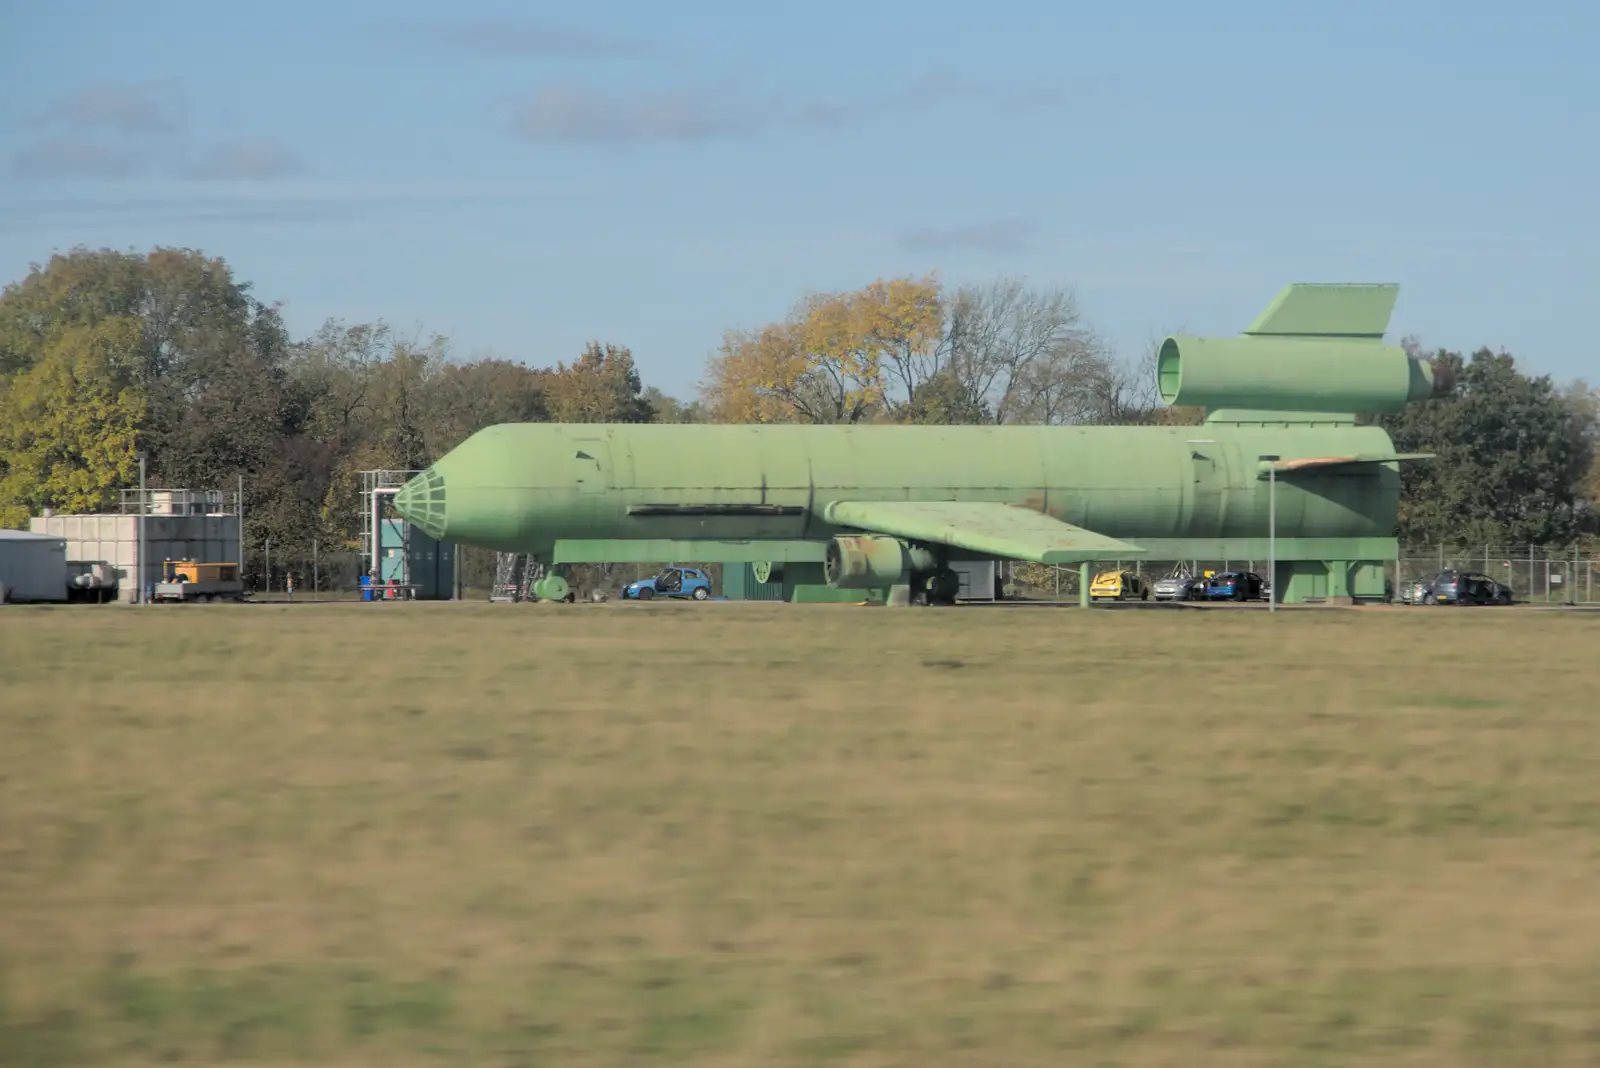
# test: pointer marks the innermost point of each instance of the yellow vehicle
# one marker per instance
(195, 571)
(190, 580)
(1119, 586)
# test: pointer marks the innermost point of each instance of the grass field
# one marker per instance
(764, 835)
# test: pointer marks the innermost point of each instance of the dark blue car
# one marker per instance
(1234, 586)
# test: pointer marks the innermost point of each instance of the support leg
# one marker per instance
(1083, 585)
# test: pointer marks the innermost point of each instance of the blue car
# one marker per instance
(688, 582)
(1234, 586)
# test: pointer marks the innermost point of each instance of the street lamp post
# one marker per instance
(1272, 531)
(143, 565)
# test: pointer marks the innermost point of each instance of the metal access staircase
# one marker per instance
(514, 576)
(508, 570)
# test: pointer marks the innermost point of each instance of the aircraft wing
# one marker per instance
(981, 527)
(1324, 463)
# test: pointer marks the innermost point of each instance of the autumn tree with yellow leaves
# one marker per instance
(906, 351)
(838, 358)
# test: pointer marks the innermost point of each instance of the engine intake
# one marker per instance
(872, 561)
(1294, 374)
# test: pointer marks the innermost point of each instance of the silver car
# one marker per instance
(1413, 593)
(1180, 587)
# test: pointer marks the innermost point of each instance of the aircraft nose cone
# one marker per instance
(422, 502)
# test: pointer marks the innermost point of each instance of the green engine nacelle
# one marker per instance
(872, 561)
(1300, 374)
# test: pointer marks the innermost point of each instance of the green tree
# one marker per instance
(671, 410)
(471, 396)
(81, 288)
(946, 398)
(1511, 456)
(1585, 404)
(601, 386)
(69, 423)
(195, 324)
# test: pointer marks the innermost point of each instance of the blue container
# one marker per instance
(366, 587)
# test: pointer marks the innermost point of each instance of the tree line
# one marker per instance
(108, 355)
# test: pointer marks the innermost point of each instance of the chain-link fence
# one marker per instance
(273, 574)
(1535, 573)
(1567, 574)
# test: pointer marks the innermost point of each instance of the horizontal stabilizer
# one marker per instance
(1307, 309)
(992, 529)
(1327, 463)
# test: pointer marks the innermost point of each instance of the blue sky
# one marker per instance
(653, 174)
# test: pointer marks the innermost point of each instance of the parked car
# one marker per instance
(688, 582)
(1234, 586)
(1119, 586)
(1467, 587)
(1412, 593)
(1180, 586)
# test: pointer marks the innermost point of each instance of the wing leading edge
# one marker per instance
(1331, 463)
(992, 529)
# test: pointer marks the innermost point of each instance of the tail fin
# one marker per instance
(1319, 309)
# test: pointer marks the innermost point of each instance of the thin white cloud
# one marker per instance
(127, 109)
(255, 158)
(508, 36)
(1001, 236)
(574, 113)
(76, 157)
(243, 201)
(112, 132)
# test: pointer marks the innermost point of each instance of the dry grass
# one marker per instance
(750, 834)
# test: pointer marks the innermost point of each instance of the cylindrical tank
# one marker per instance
(97, 576)
(1295, 374)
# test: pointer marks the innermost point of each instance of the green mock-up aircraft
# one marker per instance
(885, 507)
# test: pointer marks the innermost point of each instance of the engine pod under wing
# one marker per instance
(989, 528)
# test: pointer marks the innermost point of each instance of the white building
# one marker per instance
(181, 525)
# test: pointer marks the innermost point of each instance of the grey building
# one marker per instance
(33, 567)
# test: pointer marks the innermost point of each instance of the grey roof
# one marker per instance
(28, 535)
